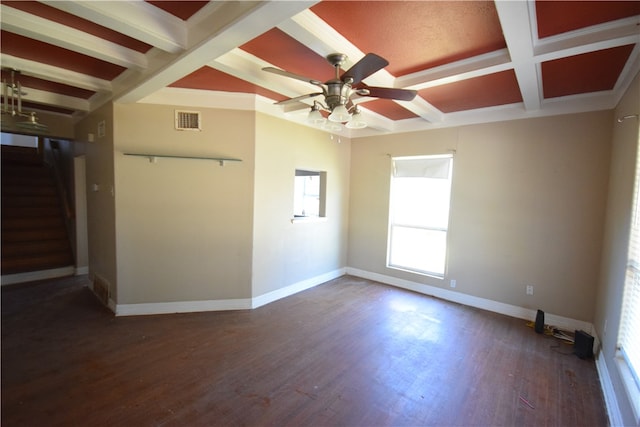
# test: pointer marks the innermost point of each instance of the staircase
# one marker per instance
(34, 234)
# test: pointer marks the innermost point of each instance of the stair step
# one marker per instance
(14, 249)
(35, 263)
(21, 223)
(20, 155)
(27, 176)
(27, 211)
(34, 236)
(33, 201)
(30, 235)
(18, 189)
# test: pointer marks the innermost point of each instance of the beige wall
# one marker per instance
(527, 208)
(100, 201)
(617, 225)
(286, 253)
(184, 226)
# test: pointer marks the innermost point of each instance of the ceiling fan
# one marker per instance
(338, 91)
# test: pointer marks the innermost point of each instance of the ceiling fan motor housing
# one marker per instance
(337, 93)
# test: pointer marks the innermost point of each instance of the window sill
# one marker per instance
(418, 272)
(305, 219)
(630, 385)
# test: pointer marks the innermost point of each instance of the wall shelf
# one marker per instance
(153, 157)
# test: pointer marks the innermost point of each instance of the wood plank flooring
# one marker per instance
(350, 352)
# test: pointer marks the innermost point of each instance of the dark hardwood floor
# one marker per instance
(346, 353)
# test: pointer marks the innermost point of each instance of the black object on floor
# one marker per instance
(539, 322)
(583, 345)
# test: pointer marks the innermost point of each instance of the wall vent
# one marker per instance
(101, 289)
(188, 120)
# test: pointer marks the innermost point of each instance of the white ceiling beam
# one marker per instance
(317, 35)
(235, 24)
(424, 109)
(597, 37)
(248, 67)
(516, 27)
(54, 99)
(476, 66)
(136, 19)
(320, 37)
(44, 30)
(630, 70)
(323, 39)
(55, 74)
(551, 54)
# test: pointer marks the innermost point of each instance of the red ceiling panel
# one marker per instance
(53, 14)
(556, 17)
(279, 49)
(47, 85)
(415, 35)
(207, 78)
(485, 91)
(23, 47)
(182, 9)
(389, 109)
(589, 72)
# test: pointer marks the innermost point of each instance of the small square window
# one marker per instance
(309, 194)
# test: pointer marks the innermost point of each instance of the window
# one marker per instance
(628, 336)
(309, 194)
(419, 213)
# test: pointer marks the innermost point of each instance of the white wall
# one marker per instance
(19, 140)
(287, 253)
(617, 226)
(527, 208)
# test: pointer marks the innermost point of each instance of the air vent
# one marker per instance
(188, 120)
(101, 289)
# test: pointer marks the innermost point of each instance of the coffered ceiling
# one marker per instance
(469, 61)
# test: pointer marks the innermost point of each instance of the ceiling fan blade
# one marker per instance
(298, 98)
(364, 68)
(392, 93)
(292, 75)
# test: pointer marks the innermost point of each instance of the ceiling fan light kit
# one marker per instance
(337, 92)
(356, 121)
(315, 117)
(339, 114)
(12, 105)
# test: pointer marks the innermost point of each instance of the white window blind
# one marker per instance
(629, 333)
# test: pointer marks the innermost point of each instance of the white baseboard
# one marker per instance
(82, 270)
(296, 287)
(181, 307)
(220, 305)
(610, 399)
(560, 322)
(12, 279)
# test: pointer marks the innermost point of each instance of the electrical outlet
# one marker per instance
(452, 283)
(529, 289)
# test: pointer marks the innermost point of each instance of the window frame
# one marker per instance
(629, 374)
(392, 224)
(322, 196)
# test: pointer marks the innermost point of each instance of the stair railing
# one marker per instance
(54, 158)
